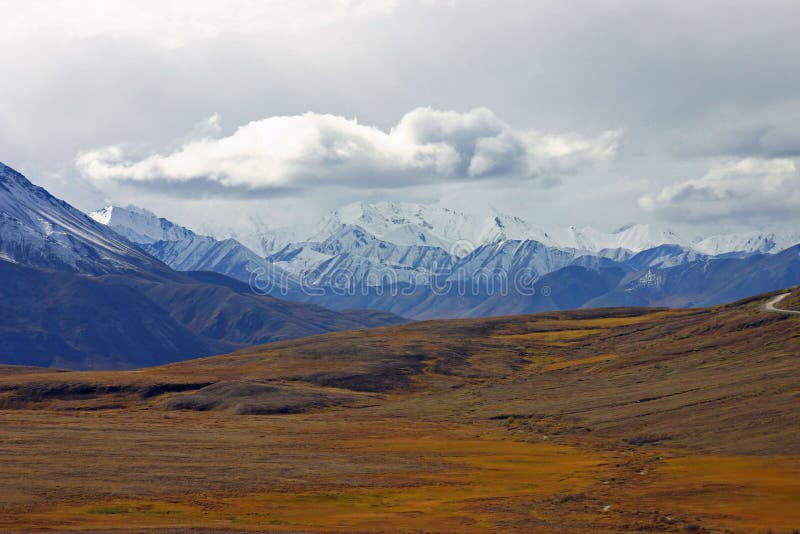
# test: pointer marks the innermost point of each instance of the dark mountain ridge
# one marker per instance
(75, 294)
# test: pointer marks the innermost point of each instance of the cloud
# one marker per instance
(772, 132)
(176, 23)
(738, 189)
(301, 151)
(130, 72)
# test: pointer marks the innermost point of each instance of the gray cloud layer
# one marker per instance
(738, 189)
(694, 86)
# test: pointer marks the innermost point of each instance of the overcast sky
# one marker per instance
(683, 114)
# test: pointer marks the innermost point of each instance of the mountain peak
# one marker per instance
(754, 242)
(103, 216)
(7, 174)
(139, 225)
(39, 230)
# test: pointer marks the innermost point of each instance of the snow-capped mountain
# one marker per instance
(419, 241)
(405, 223)
(182, 249)
(435, 251)
(385, 243)
(39, 230)
(354, 239)
(409, 224)
(76, 294)
(399, 223)
(705, 282)
(270, 240)
(363, 259)
(664, 256)
(388, 243)
(505, 260)
(139, 225)
(265, 238)
(634, 238)
(746, 242)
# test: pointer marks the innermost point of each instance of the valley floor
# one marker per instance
(341, 472)
(592, 421)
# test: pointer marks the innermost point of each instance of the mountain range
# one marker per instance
(76, 294)
(182, 249)
(122, 287)
(424, 261)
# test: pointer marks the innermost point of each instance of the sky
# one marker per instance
(225, 115)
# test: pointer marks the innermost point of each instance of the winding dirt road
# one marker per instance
(770, 306)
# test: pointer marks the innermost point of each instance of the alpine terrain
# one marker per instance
(427, 261)
(77, 294)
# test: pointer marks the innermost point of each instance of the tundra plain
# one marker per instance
(602, 420)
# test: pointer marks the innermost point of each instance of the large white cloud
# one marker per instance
(290, 152)
(738, 189)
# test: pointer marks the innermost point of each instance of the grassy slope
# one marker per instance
(792, 302)
(668, 418)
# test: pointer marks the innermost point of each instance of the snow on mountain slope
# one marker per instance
(351, 253)
(664, 256)
(265, 238)
(635, 238)
(424, 240)
(705, 282)
(399, 223)
(39, 230)
(353, 239)
(747, 242)
(202, 253)
(399, 242)
(352, 271)
(510, 259)
(300, 260)
(269, 241)
(420, 241)
(500, 227)
(409, 224)
(404, 223)
(182, 249)
(639, 237)
(139, 225)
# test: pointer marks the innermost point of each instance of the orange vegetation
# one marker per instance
(590, 421)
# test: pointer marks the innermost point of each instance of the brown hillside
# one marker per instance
(592, 420)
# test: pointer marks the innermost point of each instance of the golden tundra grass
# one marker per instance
(590, 421)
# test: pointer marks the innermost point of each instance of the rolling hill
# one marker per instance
(601, 420)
